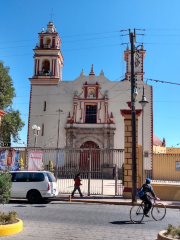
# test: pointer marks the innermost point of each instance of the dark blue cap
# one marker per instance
(148, 180)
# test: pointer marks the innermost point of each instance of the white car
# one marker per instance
(33, 185)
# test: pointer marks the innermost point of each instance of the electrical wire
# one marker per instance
(70, 36)
(80, 40)
(154, 80)
(76, 49)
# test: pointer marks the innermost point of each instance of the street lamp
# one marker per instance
(36, 130)
(143, 103)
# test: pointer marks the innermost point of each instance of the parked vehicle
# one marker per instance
(33, 185)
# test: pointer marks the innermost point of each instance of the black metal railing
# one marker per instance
(47, 46)
(44, 73)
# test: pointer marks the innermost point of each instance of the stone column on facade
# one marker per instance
(127, 193)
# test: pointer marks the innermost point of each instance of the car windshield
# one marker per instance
(51, 177)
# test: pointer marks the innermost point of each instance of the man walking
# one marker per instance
(77, 185)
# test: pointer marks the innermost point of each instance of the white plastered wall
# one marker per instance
(62, 95)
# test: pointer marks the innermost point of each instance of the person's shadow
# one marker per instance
(122, 222)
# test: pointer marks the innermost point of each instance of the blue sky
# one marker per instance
(89, 31)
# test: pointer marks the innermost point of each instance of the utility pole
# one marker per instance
(133, 122)
(59, 111)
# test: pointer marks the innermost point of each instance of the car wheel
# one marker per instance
(34, 197)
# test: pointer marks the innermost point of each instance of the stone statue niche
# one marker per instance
(106, 94)
(91, 92)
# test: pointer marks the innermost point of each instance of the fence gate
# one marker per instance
(100, 170)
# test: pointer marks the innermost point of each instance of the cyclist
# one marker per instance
(147, 189)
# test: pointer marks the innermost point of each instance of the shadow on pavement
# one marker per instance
(19, 206)
(123, 222)
(89, 197)
(174, 204)
(41, 206)
(24, 203)
(72, 203)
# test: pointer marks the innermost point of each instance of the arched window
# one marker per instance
(46, 67)
(47, 43)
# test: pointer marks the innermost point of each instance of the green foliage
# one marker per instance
(50, 167)
(11, 122)
(173, 231)
(5, 186)
(6, 87)
(123, 174)
(21, 164)
(9, 218)
(11, 125)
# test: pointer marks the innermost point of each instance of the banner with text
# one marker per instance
(35, 160)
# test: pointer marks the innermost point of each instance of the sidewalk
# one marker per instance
(107, 199)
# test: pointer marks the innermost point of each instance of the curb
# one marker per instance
(10, 229)
(161, 236)
(107, 202)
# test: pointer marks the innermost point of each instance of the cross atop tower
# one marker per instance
(51, 14)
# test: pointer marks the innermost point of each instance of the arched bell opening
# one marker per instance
(47, 42)
(46, 66)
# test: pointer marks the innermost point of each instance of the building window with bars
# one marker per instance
(44, 105)
(91, 114)
(42, 128)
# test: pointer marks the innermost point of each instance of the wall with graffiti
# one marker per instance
(9, 158)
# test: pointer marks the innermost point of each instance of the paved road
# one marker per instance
(73, 221)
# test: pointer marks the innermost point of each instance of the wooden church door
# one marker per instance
(84, 156)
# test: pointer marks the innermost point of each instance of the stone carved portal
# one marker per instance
(84, 157)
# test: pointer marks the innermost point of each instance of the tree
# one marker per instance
(11, 123)
(5, 186)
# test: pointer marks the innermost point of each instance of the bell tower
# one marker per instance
(138, 63)
(48, 59)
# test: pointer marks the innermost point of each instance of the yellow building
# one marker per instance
(158, 145)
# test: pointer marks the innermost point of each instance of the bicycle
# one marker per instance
(158, 212)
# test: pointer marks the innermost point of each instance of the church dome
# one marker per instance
(157, 141)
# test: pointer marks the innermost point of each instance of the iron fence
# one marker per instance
(100, 169)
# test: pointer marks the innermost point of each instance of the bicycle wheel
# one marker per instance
(158, 211)
(137, 214)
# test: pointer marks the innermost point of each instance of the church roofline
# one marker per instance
(48, 33)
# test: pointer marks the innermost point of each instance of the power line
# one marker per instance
(162, 29)
(80, 40)
(164, 35)
(76, 49)
(70, 36)
(154, 80)
(163, 43)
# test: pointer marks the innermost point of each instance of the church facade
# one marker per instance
(86, 111)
